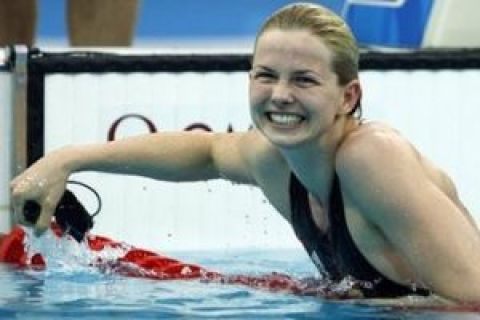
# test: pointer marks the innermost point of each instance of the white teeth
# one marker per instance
(285, 119)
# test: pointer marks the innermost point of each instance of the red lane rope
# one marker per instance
(142, 263)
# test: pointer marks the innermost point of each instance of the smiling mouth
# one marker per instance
(284, 119)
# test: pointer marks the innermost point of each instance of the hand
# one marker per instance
(44, 182)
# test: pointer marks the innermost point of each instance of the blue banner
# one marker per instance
(388, 23)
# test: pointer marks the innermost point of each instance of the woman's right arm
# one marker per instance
(183, 156)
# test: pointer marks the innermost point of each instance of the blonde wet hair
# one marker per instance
(329, 27)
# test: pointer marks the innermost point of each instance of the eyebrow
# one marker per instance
(297, 72)
(300, 72)
(263, 67)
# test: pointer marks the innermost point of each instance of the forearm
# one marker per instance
(164, 156)
(184, 156)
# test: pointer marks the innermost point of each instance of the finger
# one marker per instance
(20, 181)
(18, 200)
(39, 230)
(18, 195)
(43, 223)
(19, 218)
(45, 218)
(15, 181)
(17, 206)
(24, 182)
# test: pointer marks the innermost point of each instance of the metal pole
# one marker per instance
(19, 121)
(18, 147)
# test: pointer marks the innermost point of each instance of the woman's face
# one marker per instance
(294, 94)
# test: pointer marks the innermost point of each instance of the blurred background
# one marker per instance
(232, 24)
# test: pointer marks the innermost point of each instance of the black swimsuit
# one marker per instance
(334, 252)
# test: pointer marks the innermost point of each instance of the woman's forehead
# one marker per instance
(297, 48)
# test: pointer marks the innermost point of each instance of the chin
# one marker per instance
(286, 141)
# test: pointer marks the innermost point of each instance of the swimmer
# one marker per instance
(363, 201)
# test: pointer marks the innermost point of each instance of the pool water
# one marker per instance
(68, 289)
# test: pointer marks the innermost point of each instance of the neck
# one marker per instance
(313, 162)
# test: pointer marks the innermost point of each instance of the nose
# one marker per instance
(282, 94)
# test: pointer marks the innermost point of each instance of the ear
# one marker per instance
(352, 93)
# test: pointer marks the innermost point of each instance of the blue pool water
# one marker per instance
(69, 290)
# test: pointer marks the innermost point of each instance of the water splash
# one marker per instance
(64, 255)
(66, 258)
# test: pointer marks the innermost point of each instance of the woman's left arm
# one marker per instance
(384, 178)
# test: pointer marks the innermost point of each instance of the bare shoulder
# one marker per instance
(375, 145)
(260, 152)
(380, 172)
(246, 156)
(377, 150)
